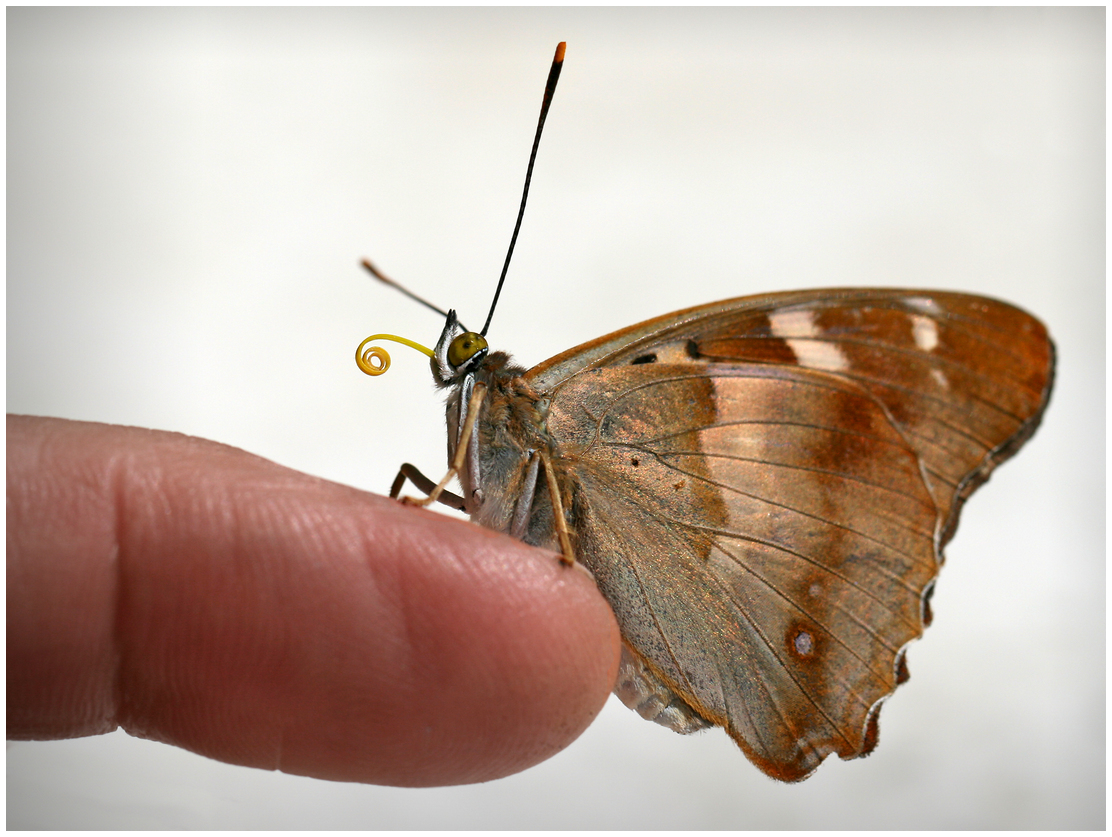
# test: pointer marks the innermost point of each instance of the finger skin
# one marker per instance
(197, 595)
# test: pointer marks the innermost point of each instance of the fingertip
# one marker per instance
(493, 657)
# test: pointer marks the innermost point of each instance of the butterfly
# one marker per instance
(762, 488)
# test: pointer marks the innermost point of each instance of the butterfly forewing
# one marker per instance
(762, 486)
(965, 378)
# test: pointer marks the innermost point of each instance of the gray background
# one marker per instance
(190, 191)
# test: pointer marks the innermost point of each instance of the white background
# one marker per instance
(190, 192)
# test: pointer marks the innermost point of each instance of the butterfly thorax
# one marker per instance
(512, 433)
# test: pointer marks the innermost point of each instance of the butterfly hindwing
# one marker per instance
(765, 537)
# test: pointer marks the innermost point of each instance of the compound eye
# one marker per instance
(465, 347)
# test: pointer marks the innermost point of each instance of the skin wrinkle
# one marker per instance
(131, 476)
(105, 493)
(409, 661)
(410, 615)
(267, 513)
(359, 574)
(374, 586)
(127, 478)
(88, 691)
(120, 659)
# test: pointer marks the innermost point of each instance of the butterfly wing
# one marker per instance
(762, 486)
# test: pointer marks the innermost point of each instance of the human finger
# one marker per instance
(198, 595)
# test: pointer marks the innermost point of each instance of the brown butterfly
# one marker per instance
(762, 488)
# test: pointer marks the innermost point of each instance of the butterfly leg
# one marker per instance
(520, 523)
(457, 461)
(558, 519)
(424, 484)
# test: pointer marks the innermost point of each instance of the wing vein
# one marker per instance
(912, 558)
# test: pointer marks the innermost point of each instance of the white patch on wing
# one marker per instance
(925, 331)
(924, 304)
(793, 322)
(940, 378)
(815, 355)
(797, 328)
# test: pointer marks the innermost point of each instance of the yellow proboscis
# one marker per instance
(365, 360)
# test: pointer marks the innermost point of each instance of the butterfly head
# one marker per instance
(458, 352)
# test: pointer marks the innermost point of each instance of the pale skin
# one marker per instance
(198, 595)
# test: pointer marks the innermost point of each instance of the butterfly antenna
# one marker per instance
(381, 277)
(549, 89)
